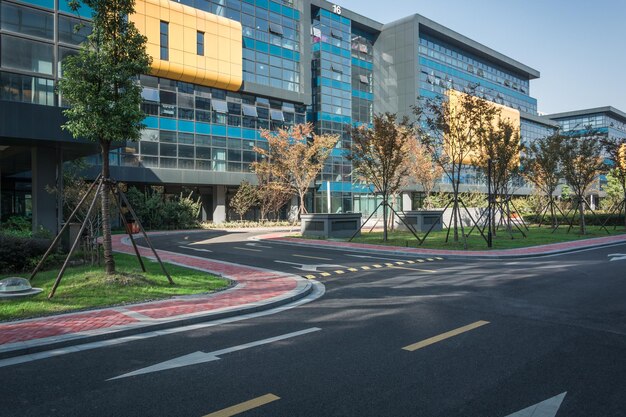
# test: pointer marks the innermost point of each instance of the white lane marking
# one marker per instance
(318, 291)
(248, 249)
(379, 257)
(202, 357)
(309, 268)
(196, 249)
(617, 257)
(312, 257)
(546, 408)
(257, 245)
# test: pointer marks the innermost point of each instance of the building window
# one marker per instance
(200, 39)
(165, 55)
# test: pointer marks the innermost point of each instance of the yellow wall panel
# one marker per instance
(221, 65)
(506, 113)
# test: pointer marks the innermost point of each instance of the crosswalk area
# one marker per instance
(334, 272)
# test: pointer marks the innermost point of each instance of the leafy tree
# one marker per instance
(500, 148)
(379, 155)
(422, 170)
(297, 156)
(451, 128)
(100, 84)
(541, 167)
(582, 162)
(613, 189)
(615, 149)
(245, 198)
(272, 191)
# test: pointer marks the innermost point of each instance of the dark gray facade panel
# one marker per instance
(174, 176)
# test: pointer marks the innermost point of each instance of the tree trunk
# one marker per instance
(581, 209)
(109, 262)
(455, 212)
(302, 207)
(384, 217)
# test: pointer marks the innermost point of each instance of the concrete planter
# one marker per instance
(330, 225)
(421, 220)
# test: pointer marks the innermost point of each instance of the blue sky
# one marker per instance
(578, 46)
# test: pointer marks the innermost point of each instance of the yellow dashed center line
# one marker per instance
(245, 406)
(444, 336)
(339, 271)
(377, 266)
(365, 267)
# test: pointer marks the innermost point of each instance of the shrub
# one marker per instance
(17, 254)
(159, 212)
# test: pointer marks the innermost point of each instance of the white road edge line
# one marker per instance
(318, 291)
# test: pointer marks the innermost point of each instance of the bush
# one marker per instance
(18, 254)
(159, 212)
(590, 219)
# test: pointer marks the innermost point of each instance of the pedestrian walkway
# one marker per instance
(254, 289)
(532, 251)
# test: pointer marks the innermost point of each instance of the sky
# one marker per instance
(578, 46)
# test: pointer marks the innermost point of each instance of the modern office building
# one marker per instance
(223, 70)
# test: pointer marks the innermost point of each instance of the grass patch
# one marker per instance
(85, 287)
(534, 237)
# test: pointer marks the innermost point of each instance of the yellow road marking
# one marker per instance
(377, 266)
(399, 263)
(438, 258)
(388, 264)
(420, 260)
(325, 274)
(251, 250)
(430, 259)
(245, 406)
(443, 336)
(310, 276)
(339, 271)
(410, 262)
(352, 269)
(313, 257)
(365, 267)
(414, 269)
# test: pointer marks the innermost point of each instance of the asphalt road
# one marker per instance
(538, 328)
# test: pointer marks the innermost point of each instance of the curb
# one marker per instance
(399, 251)
(303, 289)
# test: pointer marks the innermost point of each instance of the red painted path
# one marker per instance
(253, 286)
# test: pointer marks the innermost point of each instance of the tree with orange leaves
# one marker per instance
(296, 157)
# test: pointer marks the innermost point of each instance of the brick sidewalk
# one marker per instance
(552, 248)
(255, 289)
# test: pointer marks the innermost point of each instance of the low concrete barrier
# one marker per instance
(329, 225)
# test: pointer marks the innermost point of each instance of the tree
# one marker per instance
(541, 166)
(451, 128)
(498, 159)
(582, 162)
(245, 198)
(615, 149)
(100, 84)
(297, 156)
(422, 170)
(272, 192)
(379, 155)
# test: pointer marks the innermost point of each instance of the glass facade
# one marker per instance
(191, 127)
(30, 57)
(443, 66)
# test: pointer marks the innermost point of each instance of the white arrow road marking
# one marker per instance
(258, 245)
(547, 408)
(377, 257)
(310, 268)
(202, 357)
(196, 249)
(617, 257)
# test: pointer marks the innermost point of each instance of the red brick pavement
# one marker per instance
(528, 251)
(254, 285)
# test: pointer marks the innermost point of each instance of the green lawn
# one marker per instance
(535, 236)
(87, 287)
